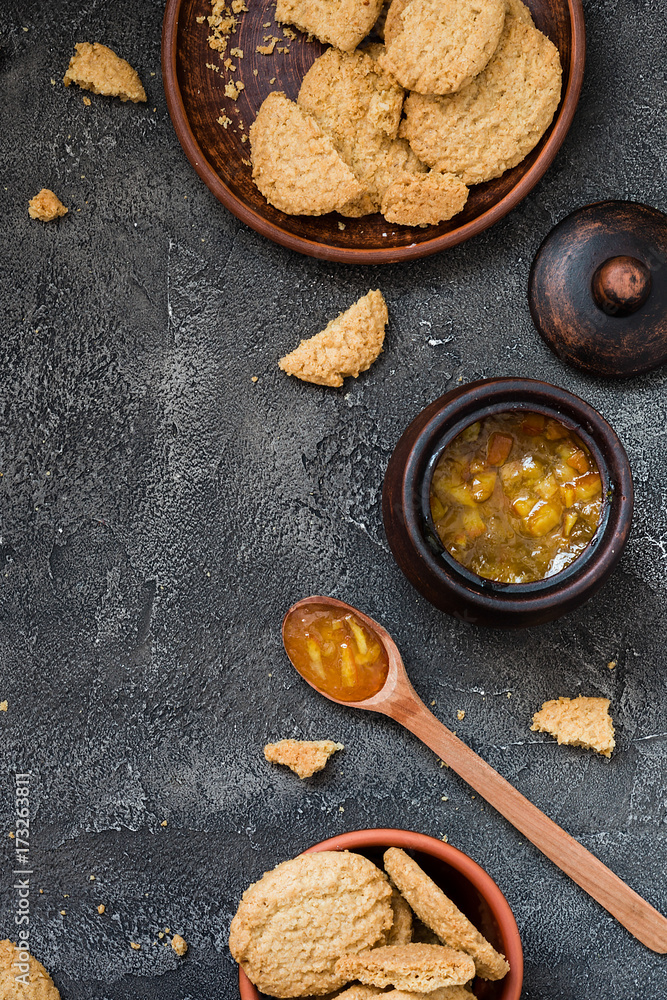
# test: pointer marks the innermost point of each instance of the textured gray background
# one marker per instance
(160, 511)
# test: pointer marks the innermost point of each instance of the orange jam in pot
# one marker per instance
(516, 497)
(335, 651)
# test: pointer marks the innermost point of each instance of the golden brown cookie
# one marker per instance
(492, 123)
(295, 165)
(439, 46)
(444, 993)
(400, 931)
(580, 722)
(348, 344)
(423, 199)
(415, 968)
(46, 206)
(97, 68)
(22, 977)
(350, 95)
(292, 925)
(359, 105)
(342, 23)
(304, 757)
(439, 913)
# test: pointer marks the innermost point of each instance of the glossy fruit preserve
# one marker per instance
(516, 497)
(333, 650)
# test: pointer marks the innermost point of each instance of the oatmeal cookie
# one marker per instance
(439, 46)
(295, 165)
(400, 931)
(342, 23)
(439, 913)
(97, 68)
(424, 199)
(348, 344)
(46, 206)
(292, 925)
(34, 983)
(351, 95)
(359, 105)
(304, 757)
(580, 722)
(415, 968)
(492, 123)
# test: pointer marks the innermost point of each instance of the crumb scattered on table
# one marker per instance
(97, 68)
(135, 946)
(101, 908)
(4, 705)
(46, 206)
(179, 945)
(580, 722)
(304, 757)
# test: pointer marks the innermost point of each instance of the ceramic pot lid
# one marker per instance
(598, 288)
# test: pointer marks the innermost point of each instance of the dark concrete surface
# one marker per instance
(160, 511)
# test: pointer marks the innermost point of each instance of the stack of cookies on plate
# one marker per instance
(461, 91)
(334, 923)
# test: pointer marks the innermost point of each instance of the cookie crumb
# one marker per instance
(444, 838)
(237, 52)
(53, 82)
(87, 101)
(304, 757)
(135, 946)
(254, 378)
(11, 835)
(612, 664)
(224, 121)
(92, 878)
(179, 945)
(581, 722)
(63, 913)
(341, 226)
(460, 715)
(4, 705)
(101, 908)
(46, 206)
(163, 823)
(97, 68)
(267, 50)
(232, 90)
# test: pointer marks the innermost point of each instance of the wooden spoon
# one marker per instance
(398, 699)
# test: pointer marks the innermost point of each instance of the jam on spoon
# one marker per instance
(333, 650)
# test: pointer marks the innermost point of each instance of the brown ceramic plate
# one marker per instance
(195, 97)
(468, 885)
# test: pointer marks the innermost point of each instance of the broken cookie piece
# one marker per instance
(342, 23)
(359, 105)
(415, 968)
(46, 206)
(304, 757)
(424, 199)
(97, 68)
(439, 913)
(295, 165)
(22, 977)
(347, 346)
(579, 722)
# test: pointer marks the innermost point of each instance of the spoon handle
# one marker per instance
(636, 915)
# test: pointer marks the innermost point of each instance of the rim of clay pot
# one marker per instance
(409, 840)
(411, 533)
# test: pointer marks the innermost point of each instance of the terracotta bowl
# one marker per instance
(195, 97)
(468, 885)
(418, 550)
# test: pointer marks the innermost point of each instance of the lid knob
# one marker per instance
(621, 285)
